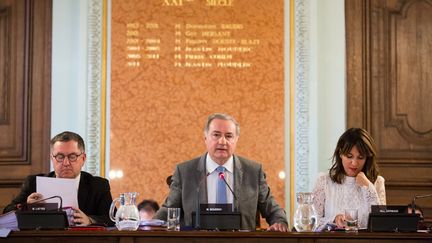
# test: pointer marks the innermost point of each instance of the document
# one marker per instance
(152, 222)
(64, 188)
(4, 233)
(8, 221)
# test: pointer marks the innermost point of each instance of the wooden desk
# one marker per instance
(208, 237)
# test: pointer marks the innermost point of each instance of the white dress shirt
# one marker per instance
(213, 178)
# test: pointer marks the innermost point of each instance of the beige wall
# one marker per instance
(158, 109)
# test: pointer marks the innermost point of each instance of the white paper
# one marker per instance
(65, 188)
(4, 233)
(8, 221)
(151, 222)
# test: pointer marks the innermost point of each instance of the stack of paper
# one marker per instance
(9, 221)
(152, 222)
(4, 232)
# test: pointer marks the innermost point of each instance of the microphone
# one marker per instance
(32, 216)
(198, 208)
(413, 207)
(222, 177)
(25, 205)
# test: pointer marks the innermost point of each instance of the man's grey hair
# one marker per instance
(221, 116)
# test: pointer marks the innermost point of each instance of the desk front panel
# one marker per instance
(208, 237)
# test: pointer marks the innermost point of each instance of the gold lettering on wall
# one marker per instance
(203, 42)
(173, 2)
(219, 2)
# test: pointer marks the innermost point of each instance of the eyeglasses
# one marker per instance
(216, 136)
(71, 157)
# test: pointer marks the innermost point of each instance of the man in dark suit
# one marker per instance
(68, 157)
(246, 177)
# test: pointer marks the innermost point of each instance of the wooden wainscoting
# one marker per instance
(25, 88)
(389, 86)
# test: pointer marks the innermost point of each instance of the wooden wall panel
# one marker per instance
(13, 115)
(389, 80)
(25, 88)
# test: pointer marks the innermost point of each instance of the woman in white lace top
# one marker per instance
(352, 182)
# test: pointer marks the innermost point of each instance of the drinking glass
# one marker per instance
(173, 219)
(351, 220)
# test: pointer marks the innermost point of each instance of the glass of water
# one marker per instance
(173, 219)
(351, 220)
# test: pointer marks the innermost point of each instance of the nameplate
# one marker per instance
(40, 207)
(216, 208)
(389, 209)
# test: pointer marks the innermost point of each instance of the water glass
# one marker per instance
(351, 220)
(173, 219)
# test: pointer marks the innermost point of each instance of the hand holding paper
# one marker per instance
(65, 188)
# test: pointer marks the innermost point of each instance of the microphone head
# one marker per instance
(221, 175)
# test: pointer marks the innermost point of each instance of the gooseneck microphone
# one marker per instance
(198, 208)
(222, 177)
(413, 205)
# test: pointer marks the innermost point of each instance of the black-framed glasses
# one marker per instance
(71, 157)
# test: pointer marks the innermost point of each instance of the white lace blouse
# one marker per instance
(331, 198)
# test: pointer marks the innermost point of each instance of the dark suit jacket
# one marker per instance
(94, 196)
(250, 188)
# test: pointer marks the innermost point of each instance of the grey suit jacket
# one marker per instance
(250, 188)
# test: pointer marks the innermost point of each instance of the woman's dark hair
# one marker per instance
(365, 145)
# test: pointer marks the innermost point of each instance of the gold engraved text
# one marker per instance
(220, 3)
(172, 3)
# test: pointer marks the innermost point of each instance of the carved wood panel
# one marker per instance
(25, 92)
(389, 80)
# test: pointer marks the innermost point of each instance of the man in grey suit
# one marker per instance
(246, 177)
